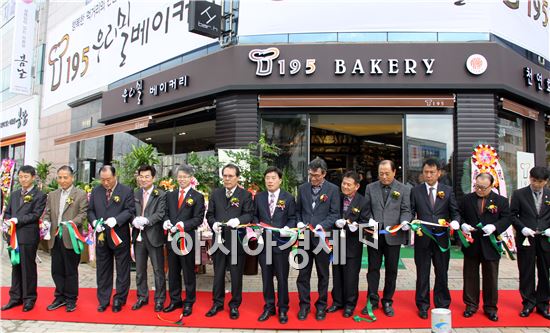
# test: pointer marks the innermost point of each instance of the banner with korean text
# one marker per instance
(23, 47)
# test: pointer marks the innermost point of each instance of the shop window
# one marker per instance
(511, 134)
(547, 140)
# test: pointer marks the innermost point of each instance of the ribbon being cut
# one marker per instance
(9, 227)
(99, 228)
(77, 240)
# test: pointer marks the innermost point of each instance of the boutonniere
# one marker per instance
(281, 204)
(355, 210)
(116, 199)
(323, 198)
(441, 194)
(395, 195)
(234, 202)
(189, 202)
(69, 201)
(492, 208)
(27, 198)
(155, 192)
(547, 203)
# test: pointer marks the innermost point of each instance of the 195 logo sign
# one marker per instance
(265, 58)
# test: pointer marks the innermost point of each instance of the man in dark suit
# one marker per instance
(67, 203)
(531, 218)
(485, 215)
(277, 208)
(430, 202)
(345, 275)
(111, 209)
(25, 207)
(148, 237)
(317, 206)
(228, 207)
(185, 210)
(388, 204)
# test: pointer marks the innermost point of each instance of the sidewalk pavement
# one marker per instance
(508, 279)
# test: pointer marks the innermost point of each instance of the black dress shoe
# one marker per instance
(526, 311)
(283, 317)
(70, 307)
(28, 306)
(320, 314)
(234, 313)
(333, 308)
(56, 305)
(101, 308)
(11, 304)
(266, 314)
(138, 305)
(348, 313)
(213, 310)
(302, 314)
(172, 306)
(492, 316)
(365, 310)
(388, 310)
(545, 313)
(187, 310)
(117, 306)
(423, 314)
(468, 313)
(158, 306)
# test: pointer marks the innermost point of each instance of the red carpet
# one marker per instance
(405, 309)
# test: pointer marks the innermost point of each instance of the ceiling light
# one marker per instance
(148, 139)
(182, 133)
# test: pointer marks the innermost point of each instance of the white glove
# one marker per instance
(136, 223)
(233, 223)
(143, 221)
(455, 225)
(14, 219)
(528, 232)
(353, 227)
(488, 229)
(111, 222)
(340, 223)
(94, 222)
(179, 224)
(217, 227)
(100, 228)
(167, 225)
(300, 225)
(285, 232)
(405, 226)
(467, 228)
(547, 232)
(372, 223)
(318, 227)
(46, 225)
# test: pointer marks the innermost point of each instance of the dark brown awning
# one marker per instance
(519, 109)
(123, 126)
(357, 101)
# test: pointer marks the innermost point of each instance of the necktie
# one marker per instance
(228, 194)
(109, 191)
(386, 191)
(537, 202)
(271, 204)
(347, 201)
(144, 202)
(481, 205)
(22, 198)
(181, 197)
(432, 197)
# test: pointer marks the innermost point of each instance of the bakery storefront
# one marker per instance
(351, 104)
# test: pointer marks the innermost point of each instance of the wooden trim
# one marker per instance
(357, 101)
(13, 140)
(123, 126)
(519, 109)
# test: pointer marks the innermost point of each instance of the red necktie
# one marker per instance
(109, 195)
(180, 199)
(144, 203)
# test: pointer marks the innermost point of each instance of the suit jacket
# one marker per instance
(282, 216)
(155, 209)
(220, 209)
(524, 214)
(393, 211)
(120, 206)
(191, 212)
(27, 214)
(357, 212)
(445, 208)
(472, 216)
(75, 210)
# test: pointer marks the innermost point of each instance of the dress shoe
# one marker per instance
(348, 313)
(101, 308)
(158, 306)
(266, 314)
(139, 304)
(117, 306)
(545, 313)
(526, 311)
(234, 313)
(468, 313)
(423, 314)
(70, 307)
(492, 316)
(320, 314)
(333, 308)
(56, 305)
(302, 314)
(28, 306)
(187, 310)
(11, 304)
(172, 306)
(388, 310)
(365, 310)
(283, 317)
(213, 310)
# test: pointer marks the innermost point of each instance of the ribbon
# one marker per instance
(77, 240)
(177, 322)
(372, 317)
(465, 239)
(493, 240)
(114, 236)
(182, 238)
(13, 245)
(420, 229)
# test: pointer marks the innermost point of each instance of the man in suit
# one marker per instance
(277, 208)
(67, 203)
(25, 207)
(430, 202)
(485, 215)
(388, 204)
(317, 206)
(148, 237)
(229, 207)
(185, 210)
(531, 218)
(345, 276)
(111, 209)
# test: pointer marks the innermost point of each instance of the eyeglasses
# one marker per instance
(481, 188)
(315, 175)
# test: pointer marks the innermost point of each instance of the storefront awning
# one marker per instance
(123, 126)
(12, 140)
(519, 109)
(357, 101)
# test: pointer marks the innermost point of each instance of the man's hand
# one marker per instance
(100, 228)
(528, 232)
(217, 227)
(167, 225)
(136, 223)
(405, 226)
(372, 223)
(233, 223)
(14, 220)
(467, 228)
(455, 225)
(353, 227)
(488, 229)
(111, 222)
(318, 227)
(340, 223)
(285, 232)
(547, 232)
(178, 225)
(300, 225)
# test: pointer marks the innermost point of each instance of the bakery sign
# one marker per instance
(136, 93)
(15, 120)
(536, 80)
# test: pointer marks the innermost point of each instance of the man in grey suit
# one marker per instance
(148, 237)
(388, 202)
(67, 203)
